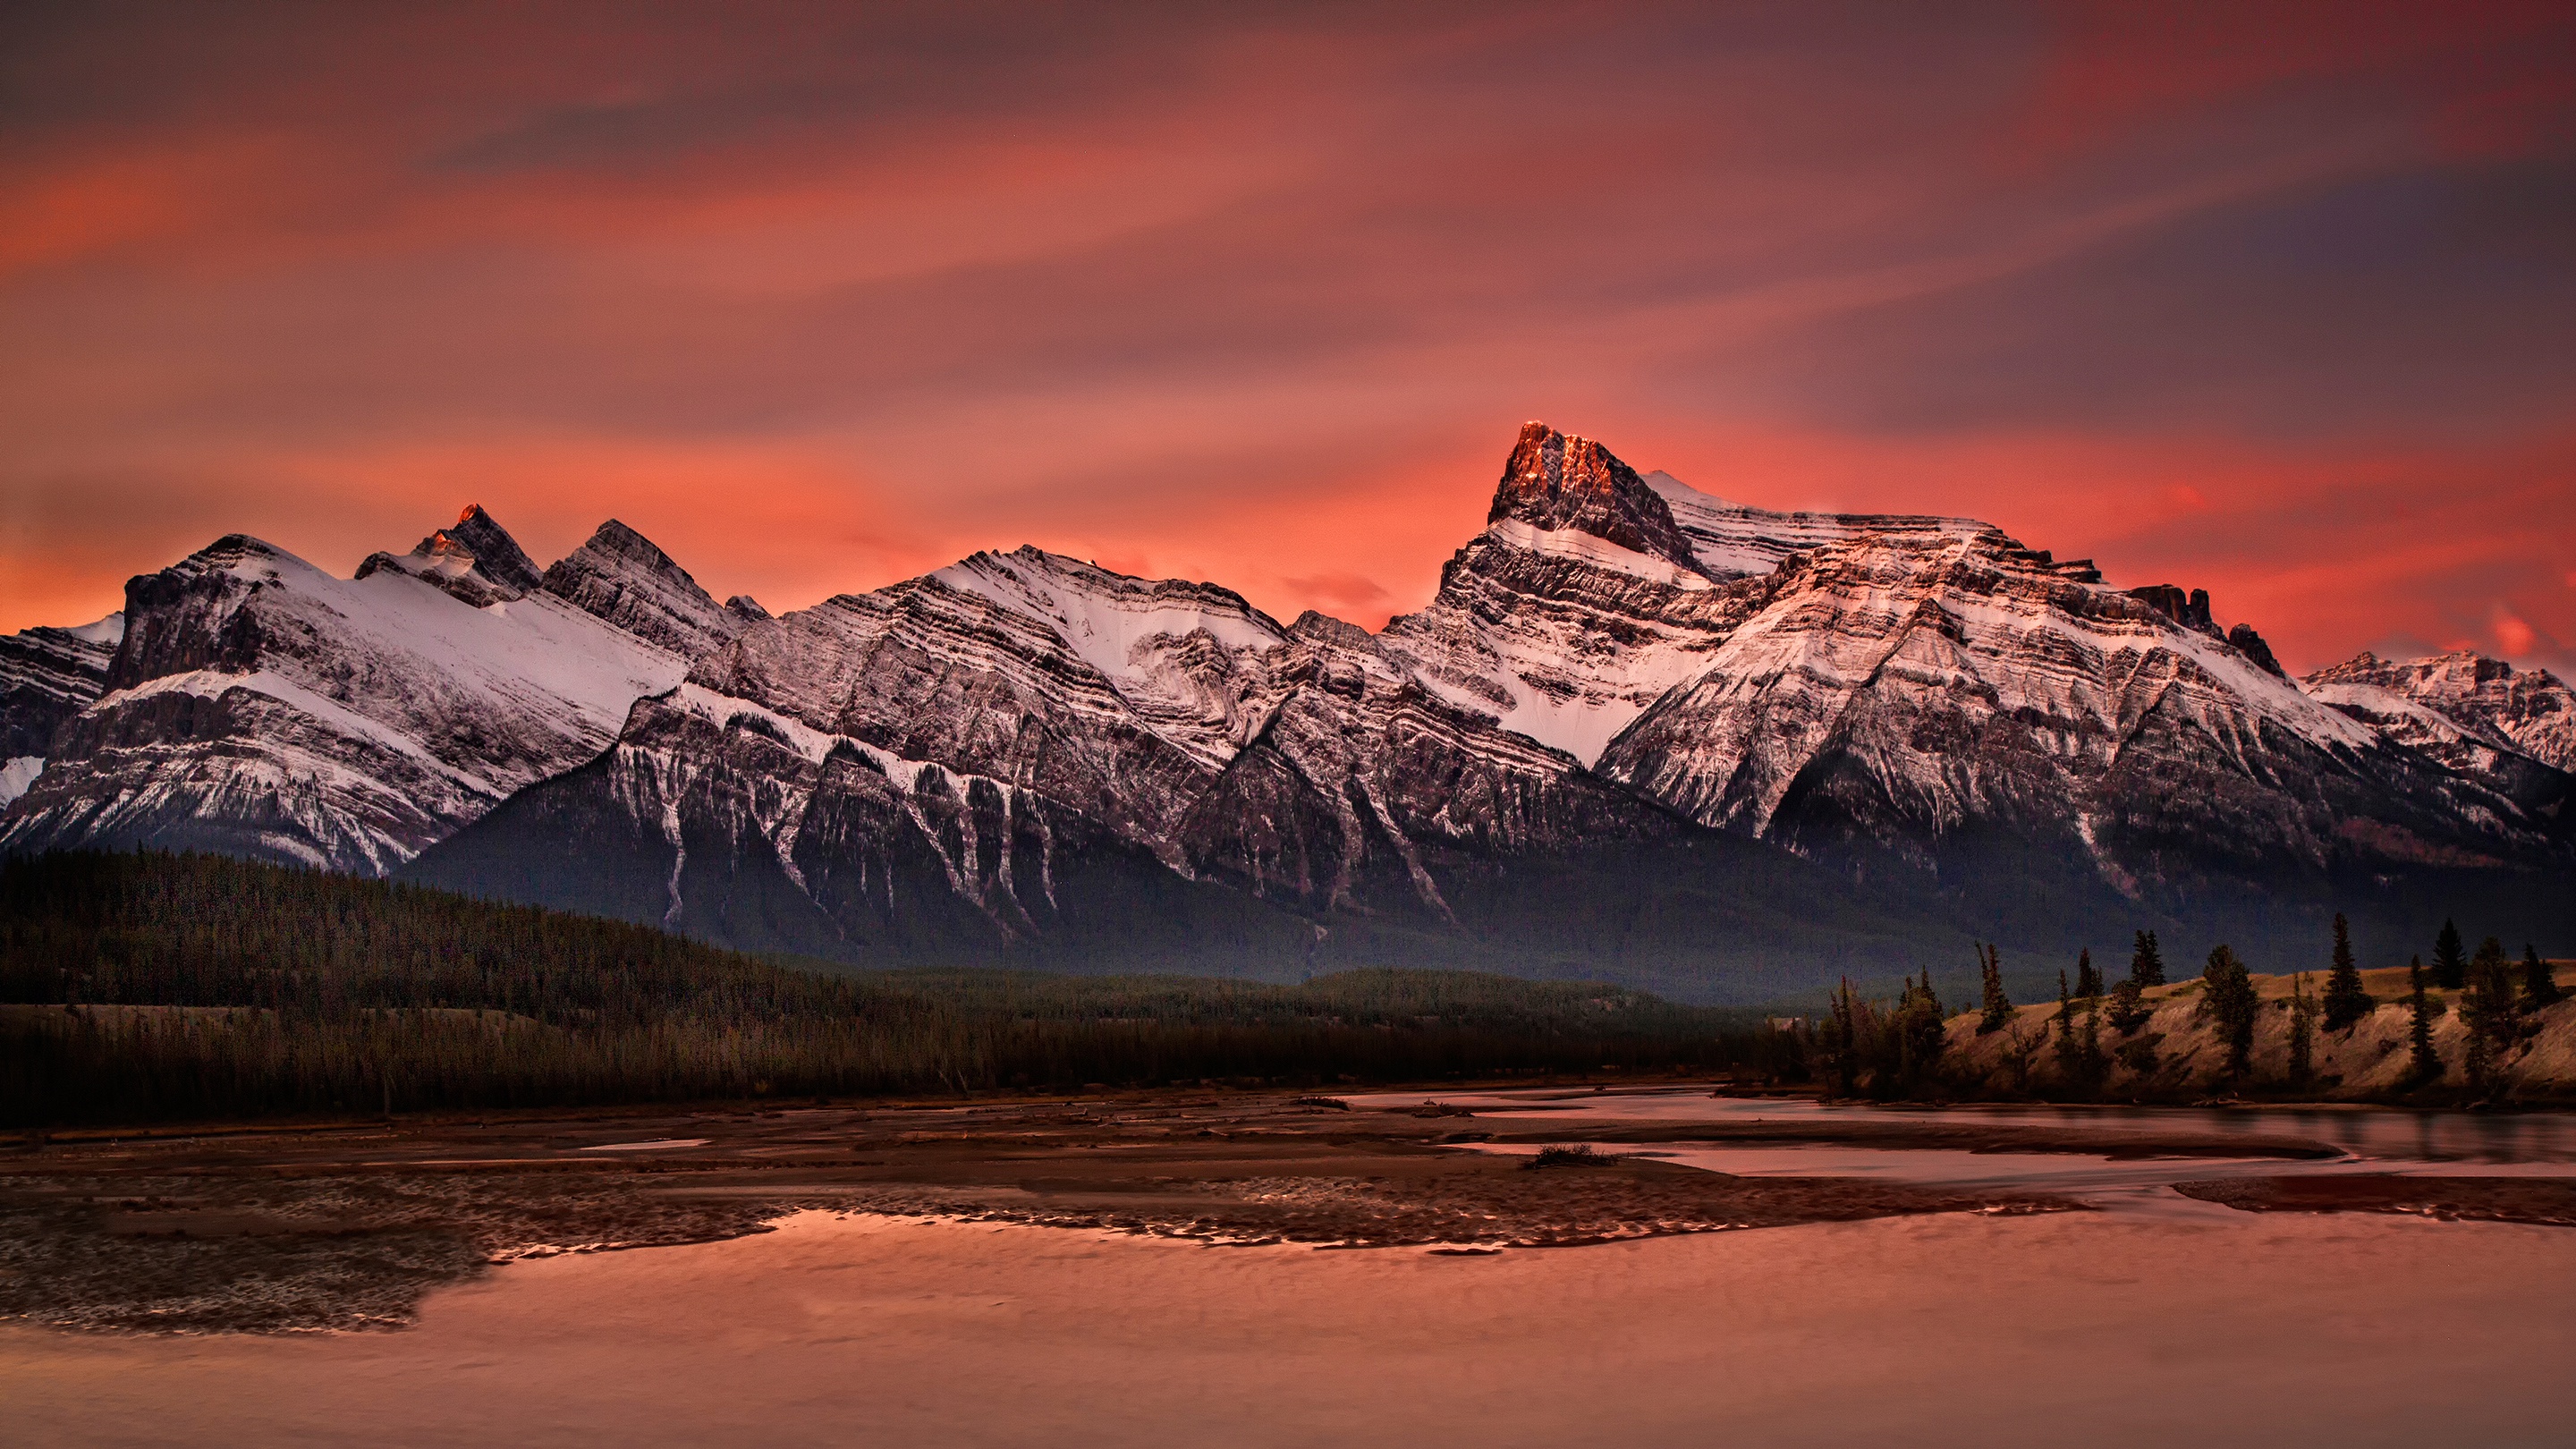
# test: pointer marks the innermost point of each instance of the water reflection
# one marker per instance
(2374, 1140)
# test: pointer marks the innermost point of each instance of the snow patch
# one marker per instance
(1574, 543)
(109, 631)
(16, 775)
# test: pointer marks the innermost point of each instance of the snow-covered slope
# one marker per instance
(257, 704)
(1305, 760)
(1731, 540)
(2464, 708)
(1904, 686)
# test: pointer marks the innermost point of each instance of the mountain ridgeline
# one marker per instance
(1640, 734)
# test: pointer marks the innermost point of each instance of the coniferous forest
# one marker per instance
(141, 987)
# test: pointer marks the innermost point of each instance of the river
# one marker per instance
(2148, 1323)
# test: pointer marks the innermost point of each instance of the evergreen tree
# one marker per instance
(2345, 1000)
(2450, 959)
(2129, 1009)
(317, 993)
(2227, 994)
(2424, 1065)
(1998, 1012)
(1920, 1034)
(2088, 981)
(2147, 963)
(1842, 1039)
(2493, 1016)
(2065, 1006)
(2539, 984)
(2491, 989)
(2304, 1010)
(2079, 1053)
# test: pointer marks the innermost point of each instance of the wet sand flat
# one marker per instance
(1946, 1329)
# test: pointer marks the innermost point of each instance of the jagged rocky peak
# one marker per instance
(2250, 644)
(620, 575)
(748, 607)
(1554, 482)
(475, 560)
(1318, 625)
(495, 553)
(2530, 711)
(2191, 610)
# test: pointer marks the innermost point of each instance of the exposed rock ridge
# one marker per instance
(476, 560)
(47, 675)
(620, 576)
(1554, 482)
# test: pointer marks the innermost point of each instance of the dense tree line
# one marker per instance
(1891, 1049)
(154, 986)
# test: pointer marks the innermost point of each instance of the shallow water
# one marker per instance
(2253, 1329)
(2373, 1140)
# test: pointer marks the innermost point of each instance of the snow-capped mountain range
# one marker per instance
(1639, 732)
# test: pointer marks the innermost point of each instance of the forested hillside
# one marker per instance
(153, 986)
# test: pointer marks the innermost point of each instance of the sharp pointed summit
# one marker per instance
(621, 576)
(475, 560)
(1554, 481)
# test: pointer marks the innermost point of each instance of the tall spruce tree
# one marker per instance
(1998, 1008)
(2088, 981)
(2304, 1010)
(2345, 1000)
(1921, 1035)
(2128, 1009)
(2539, 984)
(2065, 1006)
(1842, 1039)
(2079, 1052)
(2450, 959)
(2227, 994)
(2491, 1010)
(2147, 963)
(2424, 1065)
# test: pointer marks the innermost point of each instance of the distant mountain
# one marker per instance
(256, 705)
(2513, 728)
(1640, 732)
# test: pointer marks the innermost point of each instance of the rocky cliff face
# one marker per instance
(258, 705)
(47, 675)
(619, 576)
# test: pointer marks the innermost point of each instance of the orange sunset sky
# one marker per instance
(2277, 300)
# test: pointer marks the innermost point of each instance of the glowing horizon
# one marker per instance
(2254, 299)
